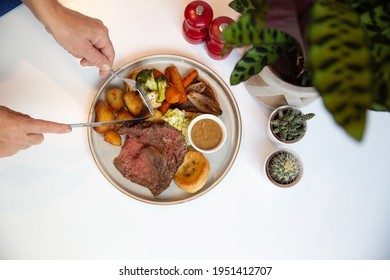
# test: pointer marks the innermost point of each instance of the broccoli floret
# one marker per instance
(162, 84)
(146, 79)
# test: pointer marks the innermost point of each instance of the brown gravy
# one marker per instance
(206, 134)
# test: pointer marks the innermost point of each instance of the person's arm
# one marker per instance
(82, 36)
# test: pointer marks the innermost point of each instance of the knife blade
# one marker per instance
(93, 124)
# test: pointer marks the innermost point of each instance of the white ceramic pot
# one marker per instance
(276, 140)
(268, 173)
(271, 91)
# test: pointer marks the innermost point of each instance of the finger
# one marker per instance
(104, 45)
(9, 152)
(34, 139)
(107, 50)
(96, 58)
(16, 113)
(84, 62)
(102, 72)
(42, 126)
(103, 54)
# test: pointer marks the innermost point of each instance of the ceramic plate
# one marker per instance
(220, 161)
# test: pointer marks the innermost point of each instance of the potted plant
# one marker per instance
(284, 168)
(345, 45)
(272, 91)
(273, 68)
(287, 125)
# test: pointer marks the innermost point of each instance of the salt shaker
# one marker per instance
(214, 42)
(197, 18)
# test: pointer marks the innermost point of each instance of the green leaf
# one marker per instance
(241, 32)
(376, 23)
(253, 61)
(340, 60)
(245, 32)
(382, 86)
(245, 6)
(376, 19)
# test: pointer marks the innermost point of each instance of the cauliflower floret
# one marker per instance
(153, 99)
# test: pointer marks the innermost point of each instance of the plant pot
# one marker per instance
(268, 89)
(293, 161)
(274, 137)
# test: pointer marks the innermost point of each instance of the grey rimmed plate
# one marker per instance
(220, 161)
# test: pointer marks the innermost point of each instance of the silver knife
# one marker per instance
(93, 124)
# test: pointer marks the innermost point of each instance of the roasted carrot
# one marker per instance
(164, 107)
(183, 98)
(175, 78)
(172, 94)
(187, 80)
(157, 73)
(168, 73)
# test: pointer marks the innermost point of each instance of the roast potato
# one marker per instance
(133, 103)
(113, 137)
(122, 115)
(114, 98)
(156, 118)
(103, 112)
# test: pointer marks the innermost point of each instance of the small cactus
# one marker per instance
(284, 167)
(290, 124)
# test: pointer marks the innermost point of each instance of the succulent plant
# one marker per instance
(290, 124)
(284, 167)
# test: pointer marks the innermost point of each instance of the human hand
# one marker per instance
(19, 131)
(84, 37)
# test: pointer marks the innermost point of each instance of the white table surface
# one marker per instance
(56, 204)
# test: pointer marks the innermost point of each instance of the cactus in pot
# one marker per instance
(284, 168)
(288, 124)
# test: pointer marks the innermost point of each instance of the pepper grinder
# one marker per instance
(214, 42)
(197, 18)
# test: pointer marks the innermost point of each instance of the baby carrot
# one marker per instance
(187, 80)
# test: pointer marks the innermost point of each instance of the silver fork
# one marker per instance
(138, 87)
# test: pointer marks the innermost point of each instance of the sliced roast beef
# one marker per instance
(151, 155)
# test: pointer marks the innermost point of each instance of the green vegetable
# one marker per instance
(162, 84)
(146, 79)
(177, 118)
